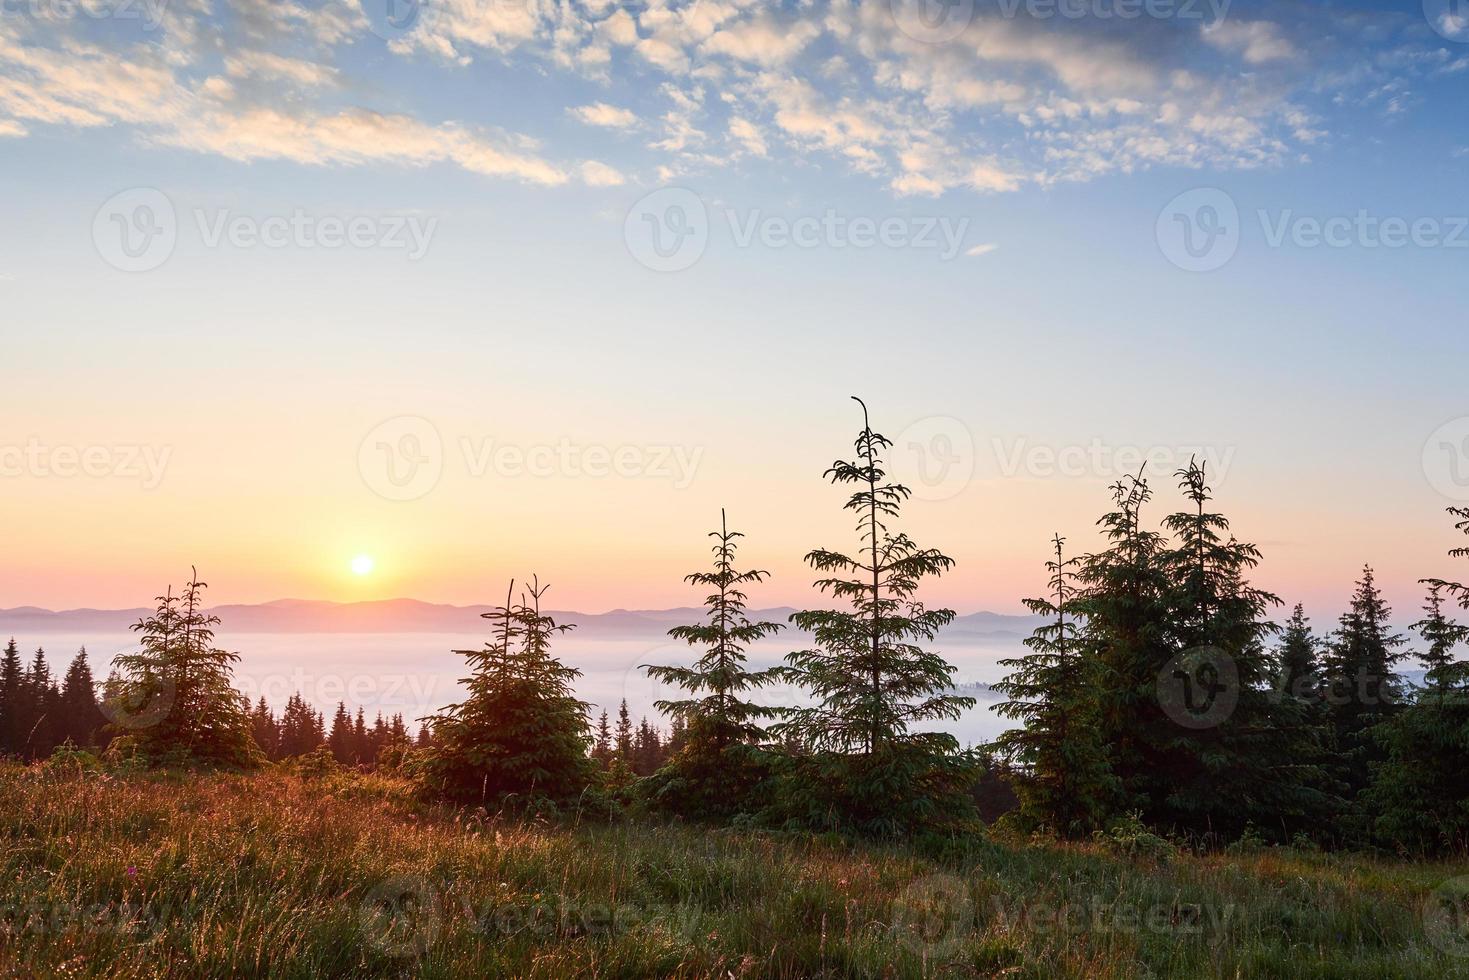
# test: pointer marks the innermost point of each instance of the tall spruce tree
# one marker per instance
(175, 694)
(1261, 762)
(1124, 599)
(1420, 797)
(1363, 690)
(521, 731)
(12, 699)
(1061, 773)
(871, 678)
(715, 772)
(80, 715)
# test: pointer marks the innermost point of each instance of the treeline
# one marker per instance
(1159, 687)
(38, 712)
(1159, 690)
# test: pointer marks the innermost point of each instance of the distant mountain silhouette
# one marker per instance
(415, 616)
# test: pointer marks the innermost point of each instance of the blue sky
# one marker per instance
(525, 140)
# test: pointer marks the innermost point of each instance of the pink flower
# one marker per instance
(132, 871)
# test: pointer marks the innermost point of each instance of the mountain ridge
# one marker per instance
(405, 615)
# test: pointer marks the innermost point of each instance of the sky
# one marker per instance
(478, 290)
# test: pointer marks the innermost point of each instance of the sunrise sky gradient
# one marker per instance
(526, 131)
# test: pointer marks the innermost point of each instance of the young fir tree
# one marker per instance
(1261, 762)
(1299, 671)
(176, 696)
(12, 699)
(1061, 775)
(80, 714)
(872, 679)
(1124, 602)
(602, 744)
(716, 769)
(521, 732)
(1420, 798)
(1362, 688)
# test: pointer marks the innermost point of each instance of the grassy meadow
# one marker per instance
(340, 874)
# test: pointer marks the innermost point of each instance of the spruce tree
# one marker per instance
(12, 699)
(81, 717)
(871, 677)
(602, 745)
(521, 731)
(340, 739)
(1363, 690)
(1061, 773)
(176, 696)
(1260, 762)
(716, 770)
(1124, 599)
(1420, 797)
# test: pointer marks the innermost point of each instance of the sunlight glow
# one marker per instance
(363, 565)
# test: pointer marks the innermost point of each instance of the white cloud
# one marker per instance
(1257, 41)
(598, 174)
(602, 114)
(979, 250)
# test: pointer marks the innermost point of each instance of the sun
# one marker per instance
(363, 565)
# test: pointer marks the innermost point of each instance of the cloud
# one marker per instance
(598, 174)
(264, 64)
(979, 250)
(749, 136)
(1257, 41)
(9, 127)
(602, 114)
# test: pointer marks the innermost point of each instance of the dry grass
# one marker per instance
(181, 875)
